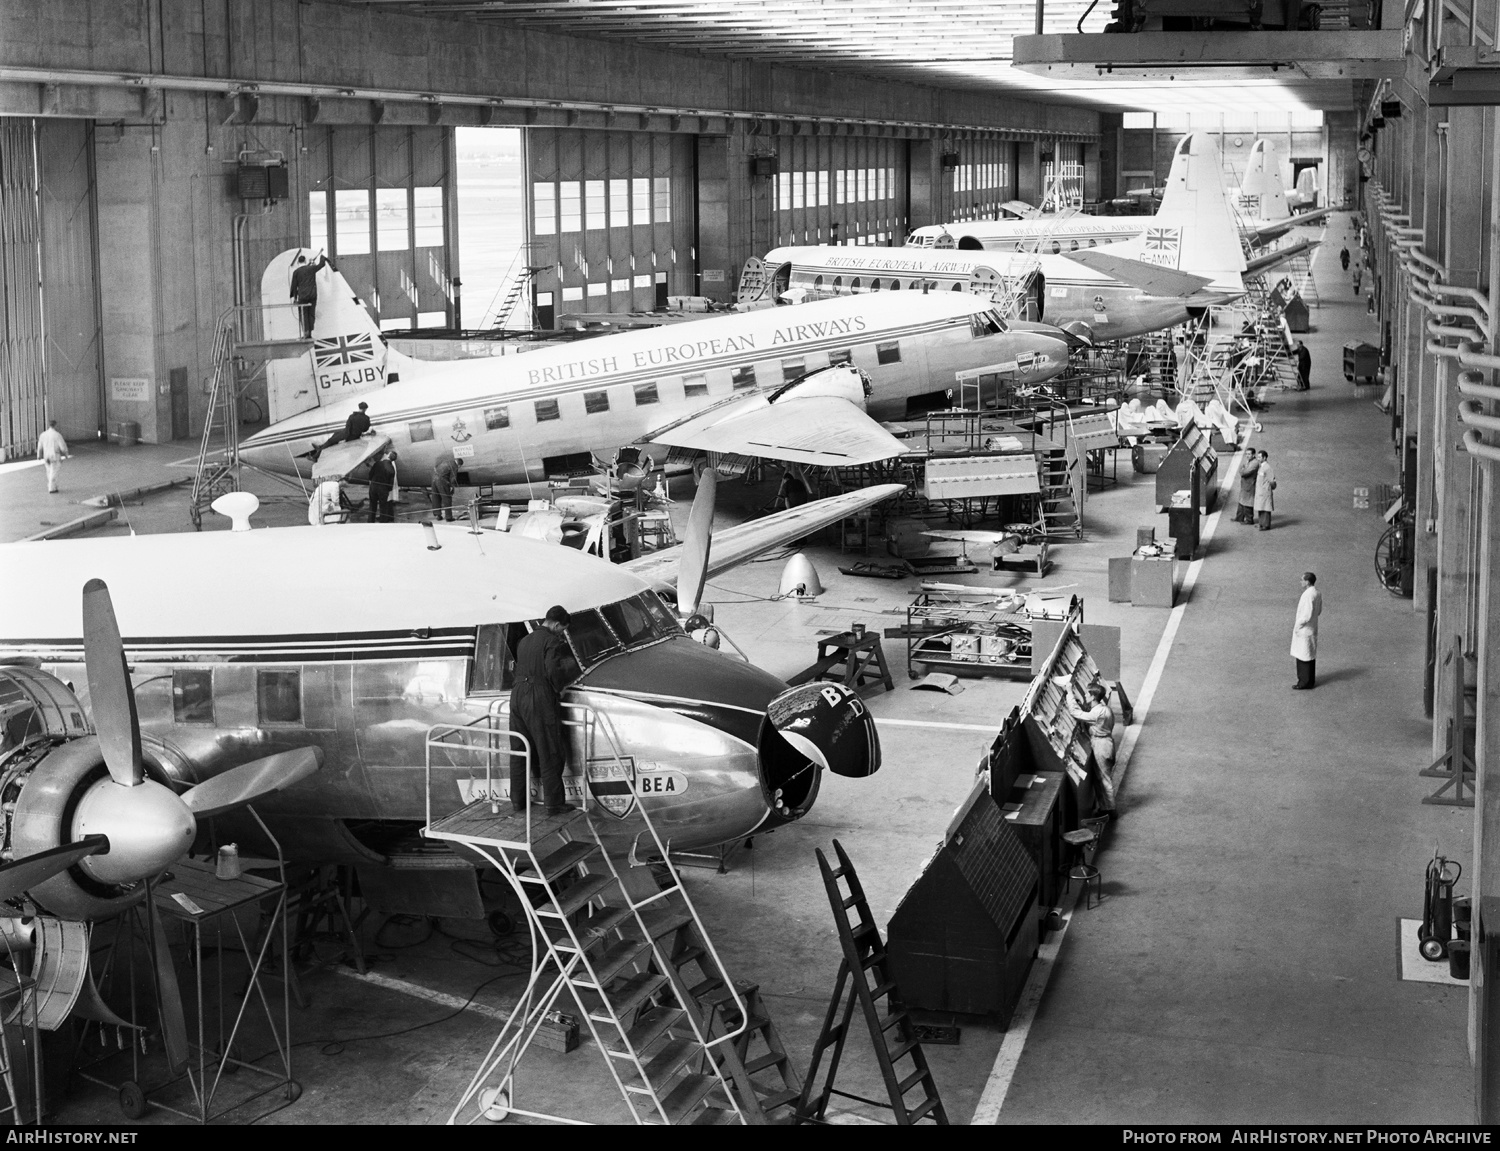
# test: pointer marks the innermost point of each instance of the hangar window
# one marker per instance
(888, 353)
(546, 410)
(643, 281)
(844, 356)
(822, 189)
(838, 186)
(352, 221)
(797, 189)
(593, 204)
(595, 402)
(317, 220)
(663, 200)
(570, 210)
(783, 190)
(640, 200)
(192, 695)
(645, 394)
(791, 369)
(621, 285)
(743, 377)
(572, 295)
(619, 203)
(544, 208)
(420, 430)
(694, 386)
(427, 216)
(391, 232)
(278, 694)
(496, 418)
(598, 290)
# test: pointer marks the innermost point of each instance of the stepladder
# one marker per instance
(862, 982)
(623, 947)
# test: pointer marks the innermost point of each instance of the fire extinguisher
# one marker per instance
(1437, 907)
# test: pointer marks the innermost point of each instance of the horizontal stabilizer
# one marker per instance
(820, 429)
(1149, 278)
(337, 462)
(1262, 231)
(1279, 256)
(737, 545)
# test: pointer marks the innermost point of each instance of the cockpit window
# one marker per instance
(986, 324)
(597, 633)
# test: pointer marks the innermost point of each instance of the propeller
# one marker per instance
(692, 567)
(24, 874)
(149, 825)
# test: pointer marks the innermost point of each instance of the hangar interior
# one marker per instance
(516, 194)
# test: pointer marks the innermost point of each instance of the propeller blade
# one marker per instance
(692, 568)
(251, 781)
(169, 996)
(24, 874)
(110, 697)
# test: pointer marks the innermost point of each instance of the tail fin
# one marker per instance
(1262, 194)
(349, 353)
(1195, 229)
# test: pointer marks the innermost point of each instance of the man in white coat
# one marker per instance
(1305, 634)
(52, 449)
(1265, 487)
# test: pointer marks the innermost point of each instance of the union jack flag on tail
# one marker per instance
(343, 350)
(1163, 239)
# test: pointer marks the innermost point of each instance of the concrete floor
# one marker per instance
(1243, 963)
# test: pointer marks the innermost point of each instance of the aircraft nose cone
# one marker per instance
(149, 829)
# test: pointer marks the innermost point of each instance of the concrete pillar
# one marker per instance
(1028, 172)
(925, 181)
(1342, 132)
(1485, 1033)
(728, 193)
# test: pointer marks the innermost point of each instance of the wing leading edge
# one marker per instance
(824, 430)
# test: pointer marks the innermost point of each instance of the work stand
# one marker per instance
(212, 913)
(893, 1034)
(849, 659)
(1455, 766)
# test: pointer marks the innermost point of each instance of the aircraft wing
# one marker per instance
(338, 461)
(1279, 256)
(734, 546)
(1260, 231)
(1020, 209)
(824, 430)
(1150, 278)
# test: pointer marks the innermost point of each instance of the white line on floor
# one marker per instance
(416, 990)
(1014, 1043)
(985, 727)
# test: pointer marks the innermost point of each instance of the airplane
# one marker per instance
(1263, 197)
(349, 647)
(754, 385)
(1305, 194)
(1190, 259)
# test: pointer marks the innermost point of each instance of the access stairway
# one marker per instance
(684, 1043)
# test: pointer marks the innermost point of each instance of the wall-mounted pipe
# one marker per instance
(1470, 414)
(1472, 384)
(1476, 447)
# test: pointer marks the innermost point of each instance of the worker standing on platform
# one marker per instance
(1095, 711)
(1304, 367)
(444, 481)
(52, 449)
(1305, 633)
(382, 483)
(1265, 488)
(305, 290)
(544, 666)
(1245, 513)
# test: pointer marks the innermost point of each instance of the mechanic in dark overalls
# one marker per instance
(544, 666)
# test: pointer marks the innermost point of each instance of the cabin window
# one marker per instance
(791, 369)
(895, 285)
(595, 402)
(843, 356)
(278, 694)
(854, 284)
(694, 386)
(838, 283)
(546, 410)
(1093, 243)
(192, 695)
(817, 282)
(743, 378)
(494, 666)
(888, 353)
(496, 418)
(1073, 247)
(1056, 247)
(590, 639)
(645, 394)
(984, 324)
(875, 285)
(958, 287)
(419, 431)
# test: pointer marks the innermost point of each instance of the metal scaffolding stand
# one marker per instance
(192, 894)
(19, 1026)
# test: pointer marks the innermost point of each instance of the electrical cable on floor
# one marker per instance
(403, 921)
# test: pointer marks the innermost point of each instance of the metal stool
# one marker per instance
(1085, 843)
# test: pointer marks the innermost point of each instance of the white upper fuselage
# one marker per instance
(1049, 234)
(503, 418)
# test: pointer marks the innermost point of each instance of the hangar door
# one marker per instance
(984, 178)
(381, 204)
(835, 190)
(612, 220)
(22, 387)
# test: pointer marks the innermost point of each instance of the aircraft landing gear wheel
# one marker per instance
(1432, 949)
(494, 1103)
(133, 1100)
(500, 923)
